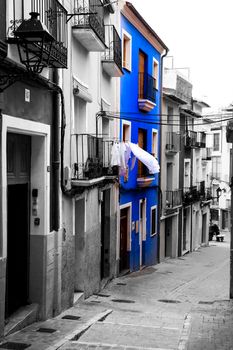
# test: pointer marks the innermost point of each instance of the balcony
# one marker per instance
(201, 140)
(112, 58)
(190, 139)
(146, 92)
(191, 195)
(172, 142)
(206, 155)
(53, 15)
(88, 25)
(206, 197)
(93, 160)
(172, 200)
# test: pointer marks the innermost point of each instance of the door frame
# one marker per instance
(142, 233)
(129, 231)
(39, 178)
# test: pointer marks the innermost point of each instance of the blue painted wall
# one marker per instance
(129, 191)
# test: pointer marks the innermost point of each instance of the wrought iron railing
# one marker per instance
(206, 154)
(90, 14)
(191, 194)
(190, 139)
(113, 42)
(53, 15)
(147, 87)
(208, 194)
(93, 157)
(172, 199)
(201, 188)
(173, 142)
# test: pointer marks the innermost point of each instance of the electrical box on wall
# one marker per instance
(27, 95)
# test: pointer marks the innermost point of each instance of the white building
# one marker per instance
(220, 153)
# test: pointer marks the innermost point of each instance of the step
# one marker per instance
(23, 317)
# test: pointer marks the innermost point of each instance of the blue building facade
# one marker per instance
(139, 124)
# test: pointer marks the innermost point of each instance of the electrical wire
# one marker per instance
(123, 117)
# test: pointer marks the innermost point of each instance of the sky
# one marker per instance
(199, 35)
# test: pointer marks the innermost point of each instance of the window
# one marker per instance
(153, 225)
(187, 173)
(156, 73)
(126, 131)
(126, 50)
(216, 141)
(216, 167)
(155, 143)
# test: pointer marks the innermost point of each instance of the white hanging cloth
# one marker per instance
(146, 158)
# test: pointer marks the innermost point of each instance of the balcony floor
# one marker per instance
(88, 39)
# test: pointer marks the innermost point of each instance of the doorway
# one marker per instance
(142, 143)
(18, 226)
(142, 227)
(141, 69)
(105, 234)
(124, 232)
(204, 223)
(168, 237)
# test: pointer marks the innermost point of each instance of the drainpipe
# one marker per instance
(55, 154)
(160, 149)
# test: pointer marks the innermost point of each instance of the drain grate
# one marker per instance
(169, 301)
(206, 302)
(102, 295)
(95, 301)
(46, 330)
(14, 346)
(121, 284)
(71, 317)
(123, 301)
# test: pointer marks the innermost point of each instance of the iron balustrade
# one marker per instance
(93, 157)
(90, 14)
(190, 139)
(54, 16)
(201, 188)
(191, 194)
(206, 154)
(147, 87)
(208, 194)
(173, 199)
(173, 142)
(113, 42)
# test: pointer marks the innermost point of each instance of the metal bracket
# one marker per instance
(71, 15)
(8, 80)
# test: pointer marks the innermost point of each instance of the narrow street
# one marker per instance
(166, 305)
(179, 304)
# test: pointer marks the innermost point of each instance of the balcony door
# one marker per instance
(141, 70)
(142, 143)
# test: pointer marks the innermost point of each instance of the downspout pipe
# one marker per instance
(160, 149)
(55, 154)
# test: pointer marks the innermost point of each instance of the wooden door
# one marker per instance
(141, 70)
(18, 190)
(141, 144)
(123, 240)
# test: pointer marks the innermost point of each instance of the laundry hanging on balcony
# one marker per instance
(121, 154)
(146, 158)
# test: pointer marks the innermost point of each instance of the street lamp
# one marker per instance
(34, 43)
(219, 192)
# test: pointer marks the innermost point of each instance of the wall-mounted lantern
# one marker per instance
(34, 43)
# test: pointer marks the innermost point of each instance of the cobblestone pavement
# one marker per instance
(180, 304)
